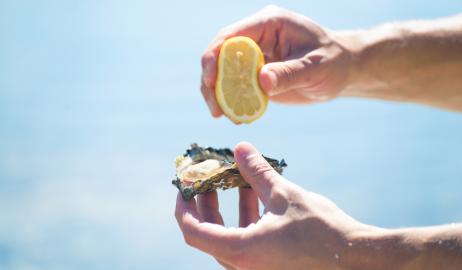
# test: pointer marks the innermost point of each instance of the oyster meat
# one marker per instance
(201, 170)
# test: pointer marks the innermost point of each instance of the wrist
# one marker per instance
(371, 57)
(438, 247)
(406, 62)
(378, 248)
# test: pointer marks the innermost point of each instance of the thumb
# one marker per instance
(279, 77)
(256, 170)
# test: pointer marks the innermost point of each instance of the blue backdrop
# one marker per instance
(98, 97)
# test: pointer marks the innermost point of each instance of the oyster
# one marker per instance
(201, 170)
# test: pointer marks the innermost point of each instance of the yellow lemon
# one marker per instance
(237, 89)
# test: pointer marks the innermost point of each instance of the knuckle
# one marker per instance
(273, 21)
(188, 235)
(286, 74)
(275, 12)
(188, 240)
(261, 168)
(206, 59)
(272, 8)
(277, 193)
(204, 91)
(279, 199)
(224, 32)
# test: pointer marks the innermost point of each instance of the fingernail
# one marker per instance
(245, 151)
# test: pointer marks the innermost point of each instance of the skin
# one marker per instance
(418, 62)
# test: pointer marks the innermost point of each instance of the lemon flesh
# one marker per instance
(238, 91)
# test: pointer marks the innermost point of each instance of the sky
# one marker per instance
(97, 98)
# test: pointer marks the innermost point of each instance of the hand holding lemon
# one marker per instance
(274, 55)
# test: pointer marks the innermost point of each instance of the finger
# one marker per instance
(301, 95)
(210, 99)
(250, 27)
(256, 170)
(291, 97)
(256, 27)
(213, 239)
(209, 64)
(248, 207)
(208, 208)
(279, 77)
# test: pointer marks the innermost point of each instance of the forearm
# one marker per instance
(418, 61)
(406, 249)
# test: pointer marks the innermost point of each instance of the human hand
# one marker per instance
(298, 230)
(305, 62)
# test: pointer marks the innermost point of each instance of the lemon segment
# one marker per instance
(237, 89)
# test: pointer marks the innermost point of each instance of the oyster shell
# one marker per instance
(201, 170)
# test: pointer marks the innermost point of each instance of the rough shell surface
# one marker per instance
(201, 170)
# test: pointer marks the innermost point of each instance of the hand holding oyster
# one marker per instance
(201, 170)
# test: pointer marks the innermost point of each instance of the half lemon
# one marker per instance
(237, 89)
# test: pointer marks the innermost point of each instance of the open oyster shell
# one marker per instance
(201, 170)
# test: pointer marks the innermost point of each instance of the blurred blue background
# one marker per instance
(98, 97)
